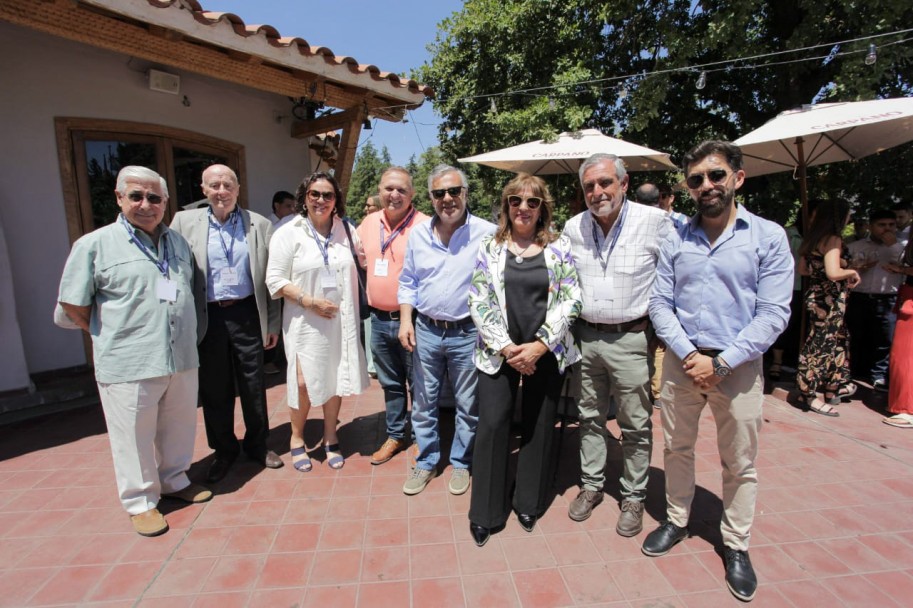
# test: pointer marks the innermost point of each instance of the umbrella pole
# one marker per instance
(803, 198)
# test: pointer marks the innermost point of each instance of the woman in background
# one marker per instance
(824, 359)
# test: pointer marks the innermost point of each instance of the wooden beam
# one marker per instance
(345, 160)
(330, 122)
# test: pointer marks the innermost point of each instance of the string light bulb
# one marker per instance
(701, 81)
(872, 56)
(551, 103)
(493, 106)
(623, 93)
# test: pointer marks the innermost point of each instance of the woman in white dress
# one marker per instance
(311, 265)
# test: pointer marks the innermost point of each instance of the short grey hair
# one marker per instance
(601, 157)
(647, 194)
(441, 170)
(140, 174)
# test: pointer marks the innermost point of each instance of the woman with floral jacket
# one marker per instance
(524, 298)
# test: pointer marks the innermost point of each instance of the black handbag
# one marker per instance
(363, 309)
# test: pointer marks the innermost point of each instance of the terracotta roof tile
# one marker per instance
(275, 39)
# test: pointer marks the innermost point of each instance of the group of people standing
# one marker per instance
(492, 310)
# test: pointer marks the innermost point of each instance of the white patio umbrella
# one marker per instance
(826, 133)
(566, 153)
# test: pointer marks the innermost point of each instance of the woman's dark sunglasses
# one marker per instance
(316, 196)
(532, 202)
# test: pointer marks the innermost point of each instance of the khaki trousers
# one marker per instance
(736, 407)
(151, 427)
(617, 366)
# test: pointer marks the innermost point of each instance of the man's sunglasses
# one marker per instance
(716, 176)
(532, 202)
(314, 195)
(137, 196)
(438, 194)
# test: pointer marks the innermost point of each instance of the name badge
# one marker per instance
(228, 276)
(603, 289)
(327, 279)
(166, 289)
(380, 268)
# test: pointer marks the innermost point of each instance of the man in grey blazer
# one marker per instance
(236, 318)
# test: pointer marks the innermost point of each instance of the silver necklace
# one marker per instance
(518, 258)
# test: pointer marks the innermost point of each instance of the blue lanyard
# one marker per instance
(402, 226)
(162, 264)
(324, 247)
(617, 231)
(228, 251)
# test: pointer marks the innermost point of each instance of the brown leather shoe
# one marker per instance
(194, 493)
(582, 507)
(150, 523)
(388, 450)
(631, 518)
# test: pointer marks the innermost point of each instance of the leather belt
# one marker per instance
(227, 303)
(709, 352)
(458, 324)
(385, 315)
(619, 328)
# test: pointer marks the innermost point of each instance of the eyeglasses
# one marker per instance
(136, 196)
(532, 202)
(438, 194)
(314, 195)
(716, 176)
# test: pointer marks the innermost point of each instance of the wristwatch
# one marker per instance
(720, 369)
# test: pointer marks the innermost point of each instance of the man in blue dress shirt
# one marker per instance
(720, 299)
(437, 270)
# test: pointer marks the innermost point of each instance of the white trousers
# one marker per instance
(151, 427)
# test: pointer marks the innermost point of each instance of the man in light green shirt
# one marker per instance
(130, 286)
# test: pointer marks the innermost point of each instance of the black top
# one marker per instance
(526, 296)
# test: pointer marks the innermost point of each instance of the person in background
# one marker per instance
(666, 201)
(283, 206)
(129, 285)
(372, 204)
(824, 366)
(236, 319)
(870, 314)
(903, 214)
(312, 267)
(900, 395)
(524, 297)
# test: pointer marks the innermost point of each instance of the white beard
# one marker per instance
(606, 210)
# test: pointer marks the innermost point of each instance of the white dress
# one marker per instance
(329, 351)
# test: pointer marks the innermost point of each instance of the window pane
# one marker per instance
(105, 159)
(188, 174)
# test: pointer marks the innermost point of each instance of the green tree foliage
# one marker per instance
(369, 165)
(554, 56)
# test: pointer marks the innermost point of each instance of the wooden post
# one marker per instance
(347, 148)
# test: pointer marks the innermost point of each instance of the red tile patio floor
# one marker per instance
(834, 526)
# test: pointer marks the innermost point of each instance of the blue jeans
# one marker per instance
(870, 320)
(394, 371)
(438, 350)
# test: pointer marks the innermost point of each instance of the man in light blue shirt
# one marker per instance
(720, 299)
(437, 270)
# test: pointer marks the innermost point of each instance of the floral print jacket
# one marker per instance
(487, 304)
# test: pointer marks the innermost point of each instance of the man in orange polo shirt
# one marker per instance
(384, 234)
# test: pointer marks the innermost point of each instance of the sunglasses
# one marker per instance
(716, 176)
(314, 195)
(438, 194)
(136, 197)
(532, 202)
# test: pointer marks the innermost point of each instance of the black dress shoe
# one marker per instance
(661, 540)
(740, 576)
(527, 522)
(270, 460)
(480, 534)
(219, 469)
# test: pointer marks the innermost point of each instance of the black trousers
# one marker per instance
(870, 320)
(490, 501)
(231, 354)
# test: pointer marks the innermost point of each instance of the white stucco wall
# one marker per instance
(42, 77)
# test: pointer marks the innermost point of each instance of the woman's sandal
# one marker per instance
(303, 464)
(825, 409)
(836, 396)
(334, 457)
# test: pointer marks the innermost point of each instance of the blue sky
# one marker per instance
(391, 35)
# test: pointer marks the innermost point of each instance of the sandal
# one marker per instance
(774, 372)
(303, 464)
(847, 391)
(334, 458)
(901, 421)
(825, 409)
